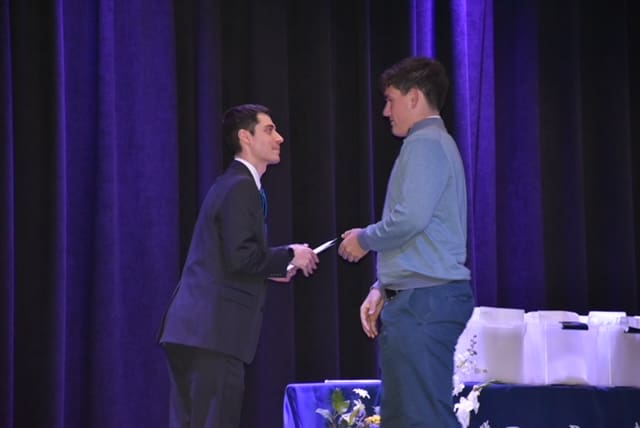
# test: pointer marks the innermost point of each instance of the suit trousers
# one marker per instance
(419, 332)
(207, 388)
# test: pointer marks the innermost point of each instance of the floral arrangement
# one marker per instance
(346, 413)
(465, 364)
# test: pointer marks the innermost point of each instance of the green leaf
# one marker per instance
(339, 404)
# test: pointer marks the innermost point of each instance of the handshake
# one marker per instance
(306, 259)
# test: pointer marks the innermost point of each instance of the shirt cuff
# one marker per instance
(362, 240)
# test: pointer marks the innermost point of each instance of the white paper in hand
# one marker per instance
(320, 248)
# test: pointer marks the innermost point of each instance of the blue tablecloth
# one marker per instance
(302, 399)
(502, 405)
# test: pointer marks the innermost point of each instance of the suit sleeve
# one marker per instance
(244, 245)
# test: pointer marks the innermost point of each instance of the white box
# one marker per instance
(499, 336)
(555, 354)
(618, 349)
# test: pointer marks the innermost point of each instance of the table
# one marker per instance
(302, 399)
(502, 405)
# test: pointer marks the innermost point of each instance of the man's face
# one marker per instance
(398, 110)
(265, 141)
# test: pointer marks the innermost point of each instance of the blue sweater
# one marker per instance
(421, 238)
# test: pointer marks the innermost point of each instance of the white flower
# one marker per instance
(464, 365)
(458, 384)
(356, 414)
(466, 405)
(358, 405)
(363, 393)
(473, 398)
(463, 412)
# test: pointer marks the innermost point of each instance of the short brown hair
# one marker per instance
(426, 74)
(244, 116)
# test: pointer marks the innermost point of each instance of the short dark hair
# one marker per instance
(244, 116)
(426, 74)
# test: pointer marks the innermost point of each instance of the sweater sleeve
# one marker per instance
(417, 183)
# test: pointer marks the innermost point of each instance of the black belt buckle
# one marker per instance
(391, 293)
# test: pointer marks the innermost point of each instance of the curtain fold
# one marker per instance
(7, 220)
(110, 116)
(519, 227)
(474, 126)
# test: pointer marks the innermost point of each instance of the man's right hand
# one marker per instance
(370, 312)
(304, 258)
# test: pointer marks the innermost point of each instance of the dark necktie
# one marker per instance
(263, 198)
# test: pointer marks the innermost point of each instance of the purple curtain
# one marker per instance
(109, 125)
(90, 210)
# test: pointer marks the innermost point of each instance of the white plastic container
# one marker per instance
(618, 349)
(556, 352)
(499, 336)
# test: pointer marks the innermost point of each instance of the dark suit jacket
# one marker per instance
(218, 302)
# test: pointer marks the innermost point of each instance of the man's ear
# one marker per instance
(243, 135)
(414, 97)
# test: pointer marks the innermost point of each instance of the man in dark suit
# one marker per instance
(211, 328)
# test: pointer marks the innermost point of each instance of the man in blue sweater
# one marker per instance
(423, 295)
